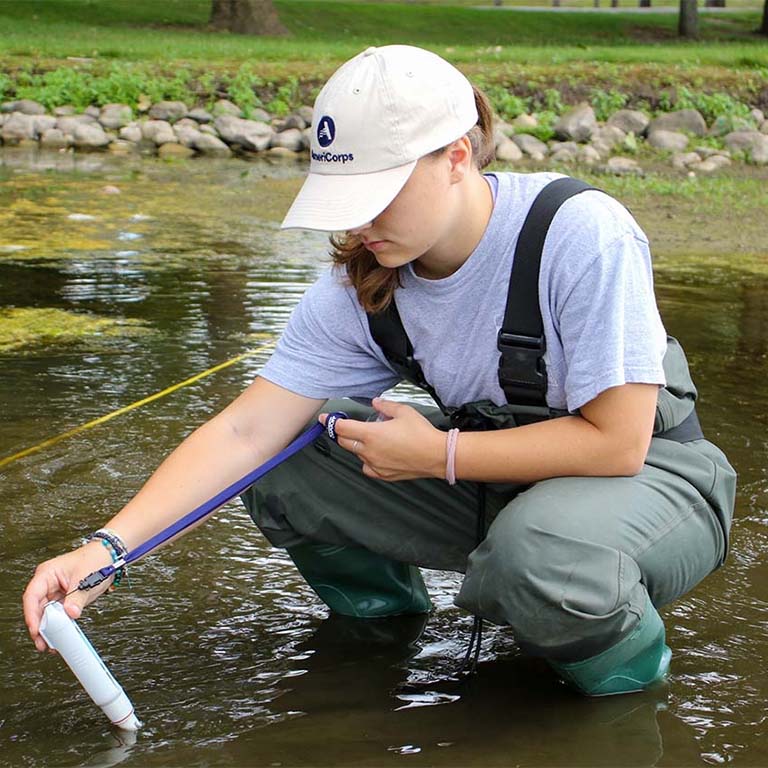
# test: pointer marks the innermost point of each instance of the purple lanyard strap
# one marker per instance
(221, 498)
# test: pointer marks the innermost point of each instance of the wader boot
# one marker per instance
(631, 665)
(353, 581)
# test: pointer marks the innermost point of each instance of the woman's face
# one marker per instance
(416, 222)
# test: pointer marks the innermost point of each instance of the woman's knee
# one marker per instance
(558, 590)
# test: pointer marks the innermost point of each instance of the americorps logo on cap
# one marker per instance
(326, 131)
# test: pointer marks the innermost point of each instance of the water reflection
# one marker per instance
(227, 654)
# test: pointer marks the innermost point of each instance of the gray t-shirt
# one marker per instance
(601, 323)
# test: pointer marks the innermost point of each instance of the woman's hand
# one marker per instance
(54, 578)
(405, 446)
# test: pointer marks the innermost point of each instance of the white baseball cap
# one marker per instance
(377, 115)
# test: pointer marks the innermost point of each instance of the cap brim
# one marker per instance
(335, 202)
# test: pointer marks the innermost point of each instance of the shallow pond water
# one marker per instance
(226, 653)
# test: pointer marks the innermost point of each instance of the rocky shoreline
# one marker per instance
(172, 129)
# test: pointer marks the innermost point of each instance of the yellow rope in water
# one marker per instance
(167, 391)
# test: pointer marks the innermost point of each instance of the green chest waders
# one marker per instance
(642, 657)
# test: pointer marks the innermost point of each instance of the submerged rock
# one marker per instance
(27, 327)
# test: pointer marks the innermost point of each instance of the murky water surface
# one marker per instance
(226, 653)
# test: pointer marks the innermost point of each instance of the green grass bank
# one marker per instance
(167, 50)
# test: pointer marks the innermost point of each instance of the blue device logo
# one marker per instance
(326, 131)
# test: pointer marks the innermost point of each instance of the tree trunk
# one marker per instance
(688, 24)
(246, 17)
(644, 4)
(764, 26)
(714, 4)
(556, 3)
(614, 3)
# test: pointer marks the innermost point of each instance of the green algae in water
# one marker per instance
(25, 327)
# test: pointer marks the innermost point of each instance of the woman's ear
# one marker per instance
(459, 155)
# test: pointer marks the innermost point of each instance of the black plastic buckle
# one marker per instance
(522, 372)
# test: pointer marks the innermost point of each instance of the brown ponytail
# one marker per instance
(375, 285)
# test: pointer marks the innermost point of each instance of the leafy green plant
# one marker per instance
(287, 97)
(55, 88)
(5, 85)
(242, 89)
(506, 104)
(544, 131)
(605, 103)
(712, 105)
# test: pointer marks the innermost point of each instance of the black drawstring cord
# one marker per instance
(472, 656)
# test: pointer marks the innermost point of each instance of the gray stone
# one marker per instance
(283, 152)
(578, 124)
(260, 115)
(531, 145)
(159, 132)
(17, 127)
(187, 136)
(209, 129)
(210, 145)
(754, 143)
(609, 136)
(115, 115)
(175, 150)
(705, 152)
(508, 151)
(90, 136)
(630, 121)
(563, 146)
(68, 123)
(523, 122)
(289, 139)
(757, 115)
(499, 135)
(682, 121)
(682, 160)
(294, 121)
(93, 112)
(727, 124)
(249, 134)
(306, 114)
(43, 123)
(122, 147)
(589, 155)
(563, 156)
(186, 122)
(764, 127)
(226, 107)
(712, 164)
(668, 140)
(131, 132)
(199, 115)
(2, 118)
(168, 111)
(24, 106)
(63, 111)
(623, 166)
(53, 138)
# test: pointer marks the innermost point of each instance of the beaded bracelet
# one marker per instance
(116, 548)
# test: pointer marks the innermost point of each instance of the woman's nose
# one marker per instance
(361, 228)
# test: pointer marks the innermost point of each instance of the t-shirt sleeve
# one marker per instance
(605, 313)
(326, 349)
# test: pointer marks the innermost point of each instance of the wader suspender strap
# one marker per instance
(388, 332)
(522, 373)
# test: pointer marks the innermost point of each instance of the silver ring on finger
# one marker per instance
(354, 446)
